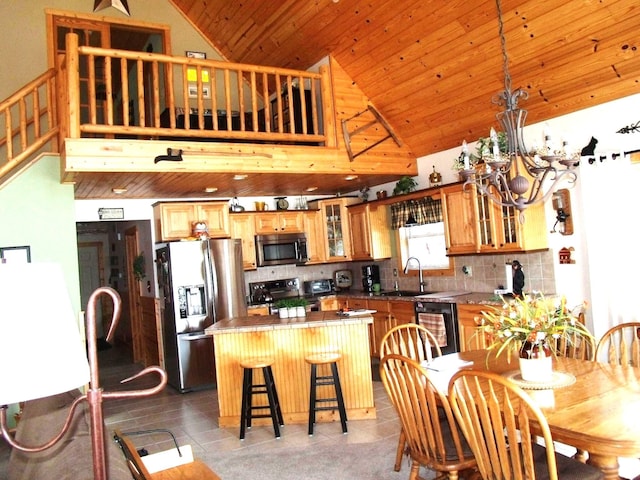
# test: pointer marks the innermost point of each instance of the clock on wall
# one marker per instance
(282, 203)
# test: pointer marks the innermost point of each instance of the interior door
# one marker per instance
(91, 270)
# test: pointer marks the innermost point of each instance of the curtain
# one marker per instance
(421, 211)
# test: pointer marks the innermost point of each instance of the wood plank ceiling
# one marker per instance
(431, 68)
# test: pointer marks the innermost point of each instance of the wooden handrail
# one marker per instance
(30, 121)
(217, 100)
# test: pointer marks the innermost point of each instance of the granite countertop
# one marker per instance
(271, 322)
(480, 298)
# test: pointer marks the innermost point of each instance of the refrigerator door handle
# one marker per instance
(209, 281)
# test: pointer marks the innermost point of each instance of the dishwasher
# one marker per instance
(441, 319)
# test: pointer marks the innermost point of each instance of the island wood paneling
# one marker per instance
(288, 347)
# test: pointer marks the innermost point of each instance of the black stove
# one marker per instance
(270, 291)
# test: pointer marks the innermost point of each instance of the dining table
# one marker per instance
(589, 405)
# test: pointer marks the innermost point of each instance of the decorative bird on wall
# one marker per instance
(117, 4)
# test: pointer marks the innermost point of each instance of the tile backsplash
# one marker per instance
(488, 273)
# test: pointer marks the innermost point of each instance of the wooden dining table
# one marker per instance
(598, 412)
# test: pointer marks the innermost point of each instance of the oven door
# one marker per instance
(440, 319)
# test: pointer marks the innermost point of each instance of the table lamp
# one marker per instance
(42, 352)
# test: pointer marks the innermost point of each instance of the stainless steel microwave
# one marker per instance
(281, 249)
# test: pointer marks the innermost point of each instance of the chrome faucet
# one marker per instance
(420, 279)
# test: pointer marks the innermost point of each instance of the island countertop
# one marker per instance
(270, 322)
(287, 342)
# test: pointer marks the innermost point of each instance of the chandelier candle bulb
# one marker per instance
(465, 152)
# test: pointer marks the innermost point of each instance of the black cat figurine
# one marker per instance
(590, 148)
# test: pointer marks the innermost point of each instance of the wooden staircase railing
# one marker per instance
(28, 120)
(127, 94)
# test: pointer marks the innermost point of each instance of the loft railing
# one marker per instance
(27, 122)
(125, 94)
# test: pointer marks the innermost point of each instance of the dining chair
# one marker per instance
(414, 341)
(430, 429)
(620, 345)
(576, 345)
(496, 417)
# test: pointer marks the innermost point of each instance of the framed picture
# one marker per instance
(200, 55)
(15, 254)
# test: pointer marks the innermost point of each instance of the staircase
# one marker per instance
(28, 121)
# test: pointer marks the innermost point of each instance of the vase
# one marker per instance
(283, 312)
(293, 312)
(301, 312)
(536, 362)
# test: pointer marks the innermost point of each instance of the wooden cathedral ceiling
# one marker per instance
(432, 67)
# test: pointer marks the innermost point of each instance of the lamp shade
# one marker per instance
(41, 350)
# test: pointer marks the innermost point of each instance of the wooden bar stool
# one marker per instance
(249, 389)
(316, 404)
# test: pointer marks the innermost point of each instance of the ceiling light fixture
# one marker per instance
(240, 176)
(211, 189)
(516, 179)
(311, 189)
(119, 191)
(117, 4)
(351, 177)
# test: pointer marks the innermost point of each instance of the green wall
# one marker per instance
(38, 211)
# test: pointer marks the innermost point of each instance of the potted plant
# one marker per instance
(301, 306)
(532, 327)
(138, 267)
(405, 185)
(283, 306)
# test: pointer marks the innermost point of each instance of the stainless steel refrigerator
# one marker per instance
(200, 282)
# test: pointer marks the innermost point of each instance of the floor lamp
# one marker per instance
(42, 352)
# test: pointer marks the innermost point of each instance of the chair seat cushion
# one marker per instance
(568, 468)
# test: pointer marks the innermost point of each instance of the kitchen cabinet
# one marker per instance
(329, 303)
(335, 227)
(312, 227)
(258, 310)
(471, 337)
(243, 226)
(369, 227)
(458, 211)
(388, 315)
(475, 224)
(278, 222)
(174, 220)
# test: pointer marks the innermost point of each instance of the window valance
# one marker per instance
(422, 211)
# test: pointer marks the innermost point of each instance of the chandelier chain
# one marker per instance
(503, 45)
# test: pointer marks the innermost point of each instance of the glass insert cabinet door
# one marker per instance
(335, 237)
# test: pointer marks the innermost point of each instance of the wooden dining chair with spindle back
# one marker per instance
(620, 345)
(496, 417)
(432, 434)
(575, 345)
(414, 341)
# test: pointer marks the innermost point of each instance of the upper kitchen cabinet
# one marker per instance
(243, 227)
(458, 211)
(312, 221)
(279, 222)
(475, 224)
(174, 220)
(369, 229)
(335, 228)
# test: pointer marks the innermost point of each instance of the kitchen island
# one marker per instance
(288, 341)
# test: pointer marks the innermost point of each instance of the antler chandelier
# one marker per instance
(517, 178)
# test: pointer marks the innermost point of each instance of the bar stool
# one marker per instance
(316, 404)
(249, 389)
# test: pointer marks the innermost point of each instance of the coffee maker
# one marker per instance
(370, 276)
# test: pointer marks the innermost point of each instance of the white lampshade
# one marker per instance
(41, 350)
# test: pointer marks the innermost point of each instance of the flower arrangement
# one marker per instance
(534, 319)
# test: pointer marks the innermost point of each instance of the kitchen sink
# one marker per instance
(403, 293)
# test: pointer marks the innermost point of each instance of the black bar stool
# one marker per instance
(316, 404)
(249, 389)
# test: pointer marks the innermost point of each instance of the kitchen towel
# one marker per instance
(434, 322)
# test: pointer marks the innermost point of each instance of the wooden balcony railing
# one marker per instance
(27, 121)
(125, 94)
